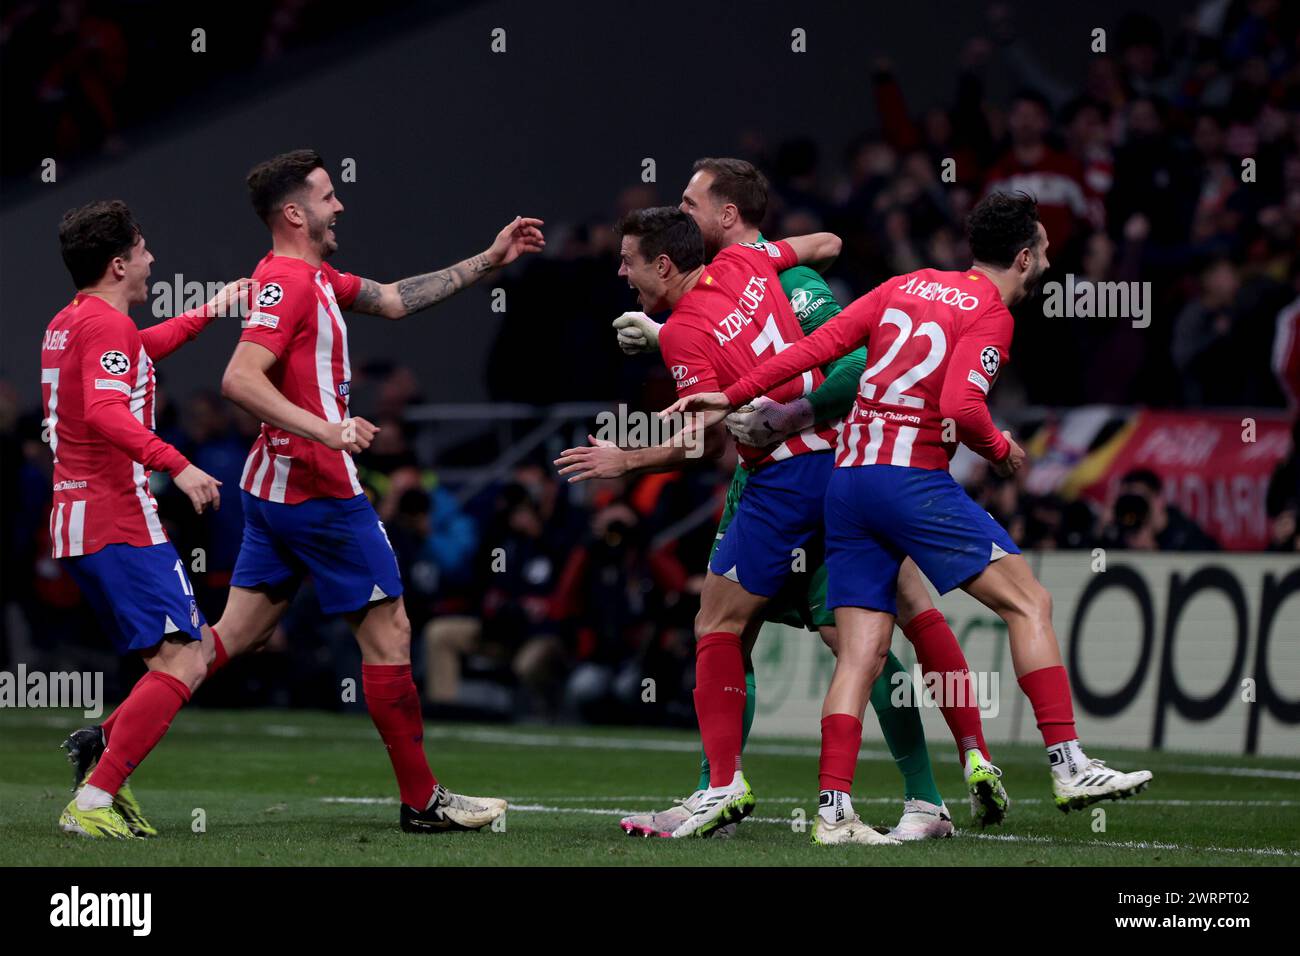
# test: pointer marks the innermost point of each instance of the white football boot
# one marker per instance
(849, 830)
(448, 812)
(717, 807)
(662, 823)
(1097, 782)
(923, 821)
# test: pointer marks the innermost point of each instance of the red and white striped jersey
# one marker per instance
(296, 317)
(735, 316)
(935, 344)
(97, 385)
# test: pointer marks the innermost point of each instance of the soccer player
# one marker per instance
(727, 198)
(304, 510)
(97, 385)
(939, 340)
(725, 315)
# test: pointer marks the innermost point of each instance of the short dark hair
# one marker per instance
(665, 230)
(1000, 225)
(1145, 477)
(93, 235)
(271, 182)
(739, 183)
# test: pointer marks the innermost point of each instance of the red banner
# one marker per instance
(1215, 465)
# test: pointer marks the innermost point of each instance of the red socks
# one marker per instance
(938, 652)
(1048, 690)
(219, 661)
(394, 706)
(720, 702)
(144, 717)
(841, 741)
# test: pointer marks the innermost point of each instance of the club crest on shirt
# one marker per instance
(114, 362)
(990, 358)
(270, 295)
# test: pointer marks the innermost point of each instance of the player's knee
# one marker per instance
(397, 634)
(703, 625)
(1032, 602)
(191, 666)
(1041, 602)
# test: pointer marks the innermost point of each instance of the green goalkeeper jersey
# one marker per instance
(804, 604)
(814, 305)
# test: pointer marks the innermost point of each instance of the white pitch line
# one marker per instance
(661, 800)
(1137, 845)
(994, 837)
(645, 801)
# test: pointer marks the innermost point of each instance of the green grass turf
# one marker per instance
(264, 779)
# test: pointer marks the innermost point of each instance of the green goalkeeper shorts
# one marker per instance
(802, 600)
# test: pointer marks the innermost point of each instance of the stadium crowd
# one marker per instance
(532, 597)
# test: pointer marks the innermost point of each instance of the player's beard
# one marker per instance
(316, 232)
(1034, 283)
(712, 243)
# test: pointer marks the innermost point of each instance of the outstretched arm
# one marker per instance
(166, 337)
(702, 440)
(396, 300)
(818, 250)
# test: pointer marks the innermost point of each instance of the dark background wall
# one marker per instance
(451, 140)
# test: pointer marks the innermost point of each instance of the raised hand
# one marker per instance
(637, 332)
(520, 236)
(230, 299)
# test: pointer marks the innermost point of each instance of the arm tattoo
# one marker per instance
(420, 292)
(369, 298)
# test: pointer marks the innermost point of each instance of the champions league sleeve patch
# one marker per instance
(991, 359)
(114, 362)
(270, 295)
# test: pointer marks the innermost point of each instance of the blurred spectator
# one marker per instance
(1202, 330)
(1032, 165)
(515, 577)
(1144, 520)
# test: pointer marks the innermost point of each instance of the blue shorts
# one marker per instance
(781, 510)
(340, 542)
(877, 515)
(141, 596)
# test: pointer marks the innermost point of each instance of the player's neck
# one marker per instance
(117, 298)
(293, 247)
(1008, 289)
(683, 284)
(743, 235)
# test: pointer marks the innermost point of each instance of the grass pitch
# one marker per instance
(276, 788)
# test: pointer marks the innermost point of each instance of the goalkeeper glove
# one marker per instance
(764, 422)
(637, 332)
